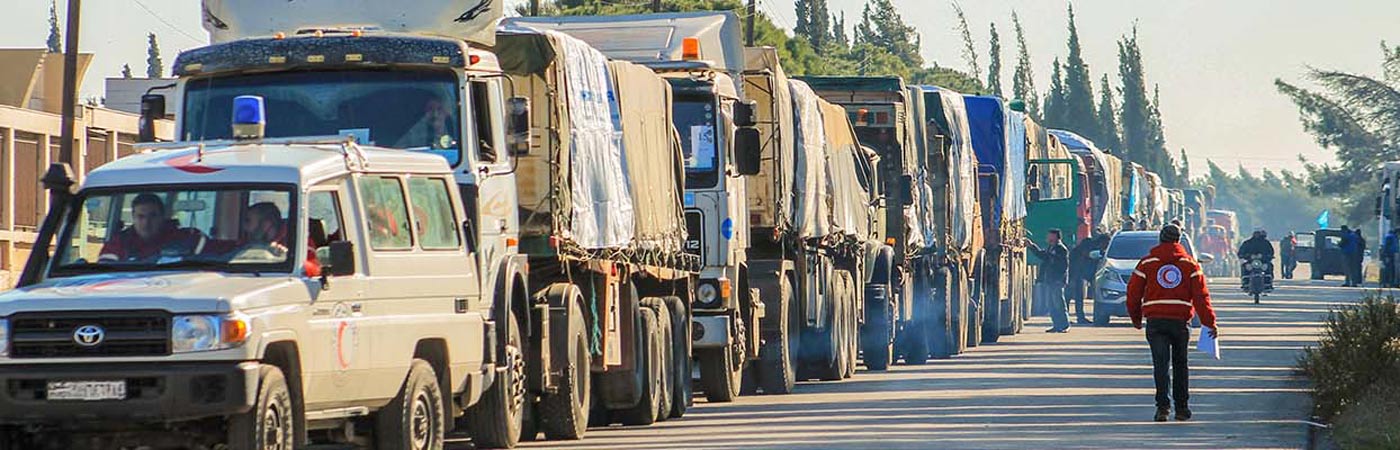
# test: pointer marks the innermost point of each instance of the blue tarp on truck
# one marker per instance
(996, 150)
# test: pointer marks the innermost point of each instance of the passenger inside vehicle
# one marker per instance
(152, 232)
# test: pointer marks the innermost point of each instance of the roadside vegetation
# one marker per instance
(1355, 373)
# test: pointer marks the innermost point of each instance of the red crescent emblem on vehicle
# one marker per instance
(340, 345)
(187, 163)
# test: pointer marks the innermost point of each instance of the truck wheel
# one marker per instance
(271, 424)
(959, 301)
(649, 403)
(976, 305)
(721, 373)
(877, 336)
(939, 328)
(832, 366)
(499, 418)
(414, 420)
(852, 333)
(681, 387)
(992, 308)
(665, 333)
(563, 415)
(777, 358)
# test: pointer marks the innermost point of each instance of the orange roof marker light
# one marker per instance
(690, 49)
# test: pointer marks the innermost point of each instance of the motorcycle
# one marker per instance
(1257, 277)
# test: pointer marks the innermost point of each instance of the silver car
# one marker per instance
(1118, 261)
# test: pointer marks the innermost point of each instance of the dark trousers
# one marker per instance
(1169, 340)
(1076, 293)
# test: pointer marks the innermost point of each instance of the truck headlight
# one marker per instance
(707, 295)
(201, 333)
(4, 337)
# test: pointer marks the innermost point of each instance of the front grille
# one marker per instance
(51, 335)
(694, 234)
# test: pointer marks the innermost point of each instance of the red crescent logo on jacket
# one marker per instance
(1169, 276)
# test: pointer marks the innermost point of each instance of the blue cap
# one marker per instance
(249, 110)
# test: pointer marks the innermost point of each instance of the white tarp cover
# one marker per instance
(962, 169)
(1113, 214)
(812, 196)
(1015, 199)
(920, 218)
(602, 197)
(849, 199)
(470, 20)
(647, 38)
(654, 164)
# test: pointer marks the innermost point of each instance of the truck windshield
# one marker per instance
(411, 110)
(696, 121)
(233, 229)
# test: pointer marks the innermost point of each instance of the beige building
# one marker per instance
(31, 87)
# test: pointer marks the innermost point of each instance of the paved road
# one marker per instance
(1088, 389)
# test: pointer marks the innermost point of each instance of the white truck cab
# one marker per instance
(246, 292)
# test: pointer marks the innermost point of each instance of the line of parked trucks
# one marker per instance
(520, 230)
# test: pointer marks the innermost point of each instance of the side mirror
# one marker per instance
(152, 109)
(1035, 195)
(1096, 254)
(748, 154)
(1205, 258)
(518, 126)
(906, 189)
(744, 113)
(342, 259)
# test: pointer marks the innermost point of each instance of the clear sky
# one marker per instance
(1214, 59)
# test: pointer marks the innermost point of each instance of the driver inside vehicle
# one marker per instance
(151, 234)
(434, 130)
(264, 228)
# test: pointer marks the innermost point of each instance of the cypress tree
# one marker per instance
(55, 35)
(1109, 139)
(1079, 90)
(994, 66)
(154, 66)
(1023, 80)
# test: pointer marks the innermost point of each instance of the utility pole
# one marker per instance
(753, 11)
(534, 7)
(656, 6)
(70, 83)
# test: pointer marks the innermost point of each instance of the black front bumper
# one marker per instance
(155, 393)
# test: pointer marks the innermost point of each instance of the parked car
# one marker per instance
(1305, 246)
(1118, 262)
(1327, 258)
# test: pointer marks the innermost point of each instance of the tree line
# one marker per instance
(155, 67)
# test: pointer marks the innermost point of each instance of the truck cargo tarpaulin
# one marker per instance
(653, 38)
(770, 195)
(581, 167)
(654, 160)
(1016, 160)
(471, 20)
(812, 189)
(991, 140)
(951, 113)
(849, 198)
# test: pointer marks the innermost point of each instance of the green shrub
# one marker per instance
(1370, 423)
(1358, 349)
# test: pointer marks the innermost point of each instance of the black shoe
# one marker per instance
(1182, 414)
(1083, 321)
(1161, 414)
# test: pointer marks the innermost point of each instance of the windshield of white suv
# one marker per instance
(180, 228)
(1137, 245)
(412, 110)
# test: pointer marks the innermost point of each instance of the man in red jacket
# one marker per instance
(1167, 287)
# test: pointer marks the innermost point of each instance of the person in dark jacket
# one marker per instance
(1054, 274)
(1168, 288)
(1390, 246)
(1288, 252)
(1350, 247)
(1081, 270)
(1258, 244)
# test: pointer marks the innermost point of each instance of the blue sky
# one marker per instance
(1214, 59)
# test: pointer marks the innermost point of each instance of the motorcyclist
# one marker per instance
(1258, 244)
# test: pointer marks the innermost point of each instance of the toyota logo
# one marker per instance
(89, 335)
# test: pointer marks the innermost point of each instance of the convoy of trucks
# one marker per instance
(384, 225)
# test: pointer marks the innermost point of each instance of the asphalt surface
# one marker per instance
(1090, 388)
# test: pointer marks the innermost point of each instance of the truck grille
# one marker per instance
(695, 234)
(51, 335)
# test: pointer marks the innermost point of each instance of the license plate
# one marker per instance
(86, 390)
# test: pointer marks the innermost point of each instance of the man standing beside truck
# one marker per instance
(1054, 271)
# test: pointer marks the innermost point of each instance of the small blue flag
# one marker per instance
(1324, 218)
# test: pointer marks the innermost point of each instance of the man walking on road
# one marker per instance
(1350, 248)
(1054, 268)
(1168, 288)
(1288, 252)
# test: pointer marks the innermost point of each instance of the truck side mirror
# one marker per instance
(744, 113)
(152, 109)
(906, 188)
(342, 260)
(748, 153)
(1035, 195)
(518, 126)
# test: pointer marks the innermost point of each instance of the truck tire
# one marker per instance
(832, 365)
(681, 386)
(940, 324)
(976, 306)
(877, 335)
(666, 356)
(647, 365)
(852, 326)
(777, 358)
(563, 415)
(414, 420)
(271, 423)
(720, 374)
(992, 306)
(498, 420)
(960, 302)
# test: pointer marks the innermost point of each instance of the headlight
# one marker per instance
(1111, 293)
(1256, 265)
(707, 295)
(201, 333)
(4, 337)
